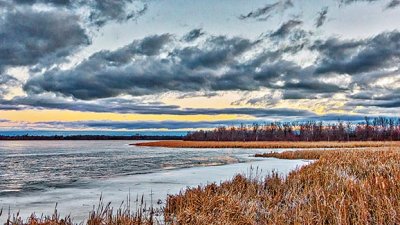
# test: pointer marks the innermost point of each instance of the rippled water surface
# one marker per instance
(28, 166)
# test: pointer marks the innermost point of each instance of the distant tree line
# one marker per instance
(89, 137)
(371, 129)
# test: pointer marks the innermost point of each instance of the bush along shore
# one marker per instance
(339, 187)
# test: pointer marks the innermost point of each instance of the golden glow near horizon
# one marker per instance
(28, 118)
(67, 115)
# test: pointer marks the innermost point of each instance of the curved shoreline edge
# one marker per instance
(265, 144)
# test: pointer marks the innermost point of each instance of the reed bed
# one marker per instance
(103, 214)
(307, 154)
(341, 187)
(266, 144)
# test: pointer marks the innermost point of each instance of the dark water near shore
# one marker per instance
(29, 166)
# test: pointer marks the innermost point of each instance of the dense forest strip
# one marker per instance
(371, 129)
(265, 144)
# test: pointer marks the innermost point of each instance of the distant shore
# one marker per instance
(87, 137)
(264, 144)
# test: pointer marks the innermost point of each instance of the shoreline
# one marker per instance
(367, 176)
(265, 144)
(89, 138)
(78, 201)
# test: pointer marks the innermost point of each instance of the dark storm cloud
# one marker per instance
(30, 37)
(367, 61)
(193, 35)
(105, 105)
(216, 52)
(106, 10)
(286, 28)
(6, 82)
(109, 74)
(118, 105)
(393, 4)
(163, 63)
(8, 107)
(100, 11)
(296, 94)
(388, 104)
(55, 2)
(395, 103)
(321, 17)
(358, 56)
(311, 90)
(268, 10)
(314, 86)
(347, 2)
(257, 112)
(217, 64)
(377, 97)
(134, 125)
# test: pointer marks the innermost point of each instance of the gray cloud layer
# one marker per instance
(100, 11)
(195, 62)
(40, 33)
(268, 10)
(393, 4)
(6, 82)
(286, 28)
(321, 17)
(193, 35)
(157, 64)
(29, 37)
(358, 56)
(217, 64)
(118, 105)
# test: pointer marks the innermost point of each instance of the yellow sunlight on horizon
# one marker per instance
(67, 115)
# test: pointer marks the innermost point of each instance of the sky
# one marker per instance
(191, 64)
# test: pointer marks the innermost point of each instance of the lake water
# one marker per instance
(35, 175)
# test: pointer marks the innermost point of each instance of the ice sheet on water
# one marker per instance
(75, 174)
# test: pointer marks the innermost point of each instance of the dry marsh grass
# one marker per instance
(341, 187)
(266, 144)
(103, 214)
(306, 154)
